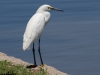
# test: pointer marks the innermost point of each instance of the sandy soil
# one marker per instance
(49, 69)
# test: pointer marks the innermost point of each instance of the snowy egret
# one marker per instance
(35, 27)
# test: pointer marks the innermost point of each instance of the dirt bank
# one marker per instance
(49, 69)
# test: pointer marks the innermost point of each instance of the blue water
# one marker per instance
(70, 41)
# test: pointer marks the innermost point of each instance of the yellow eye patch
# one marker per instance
(49, 7)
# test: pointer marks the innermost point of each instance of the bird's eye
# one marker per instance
(49, 7)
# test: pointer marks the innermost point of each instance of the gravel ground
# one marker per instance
(49, 69)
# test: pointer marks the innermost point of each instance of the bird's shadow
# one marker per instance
(31, 66)
(8, 73)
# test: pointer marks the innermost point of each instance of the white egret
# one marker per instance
(35, 27)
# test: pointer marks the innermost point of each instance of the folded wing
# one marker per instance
(33, 30)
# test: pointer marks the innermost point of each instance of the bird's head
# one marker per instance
(47, 8)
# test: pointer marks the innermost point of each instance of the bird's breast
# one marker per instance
(47, 17)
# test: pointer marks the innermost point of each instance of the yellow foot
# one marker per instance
(41, 66)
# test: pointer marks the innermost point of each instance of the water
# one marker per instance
(70, 42)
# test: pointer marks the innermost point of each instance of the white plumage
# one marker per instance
(35, 27)
(36, 24)
(33, 30)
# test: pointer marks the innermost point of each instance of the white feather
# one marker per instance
(36, 25)
(33, 30)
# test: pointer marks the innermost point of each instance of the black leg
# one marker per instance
(40, 52)
(33, 66)
(34, 55)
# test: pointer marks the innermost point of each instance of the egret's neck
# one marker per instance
(45, 13)
(47, 16)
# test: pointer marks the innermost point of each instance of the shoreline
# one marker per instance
(51, 70)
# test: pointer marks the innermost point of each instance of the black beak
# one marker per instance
(56, 9)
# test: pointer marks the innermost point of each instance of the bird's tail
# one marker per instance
(26, 46)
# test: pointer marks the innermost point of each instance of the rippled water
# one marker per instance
(70, 41)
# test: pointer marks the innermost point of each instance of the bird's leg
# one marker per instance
(32, 66)
(40, 52)
(34, 56)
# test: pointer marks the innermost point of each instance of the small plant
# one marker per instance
(6, 68)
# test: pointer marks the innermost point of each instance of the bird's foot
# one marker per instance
(41, 66)
(31, 66)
